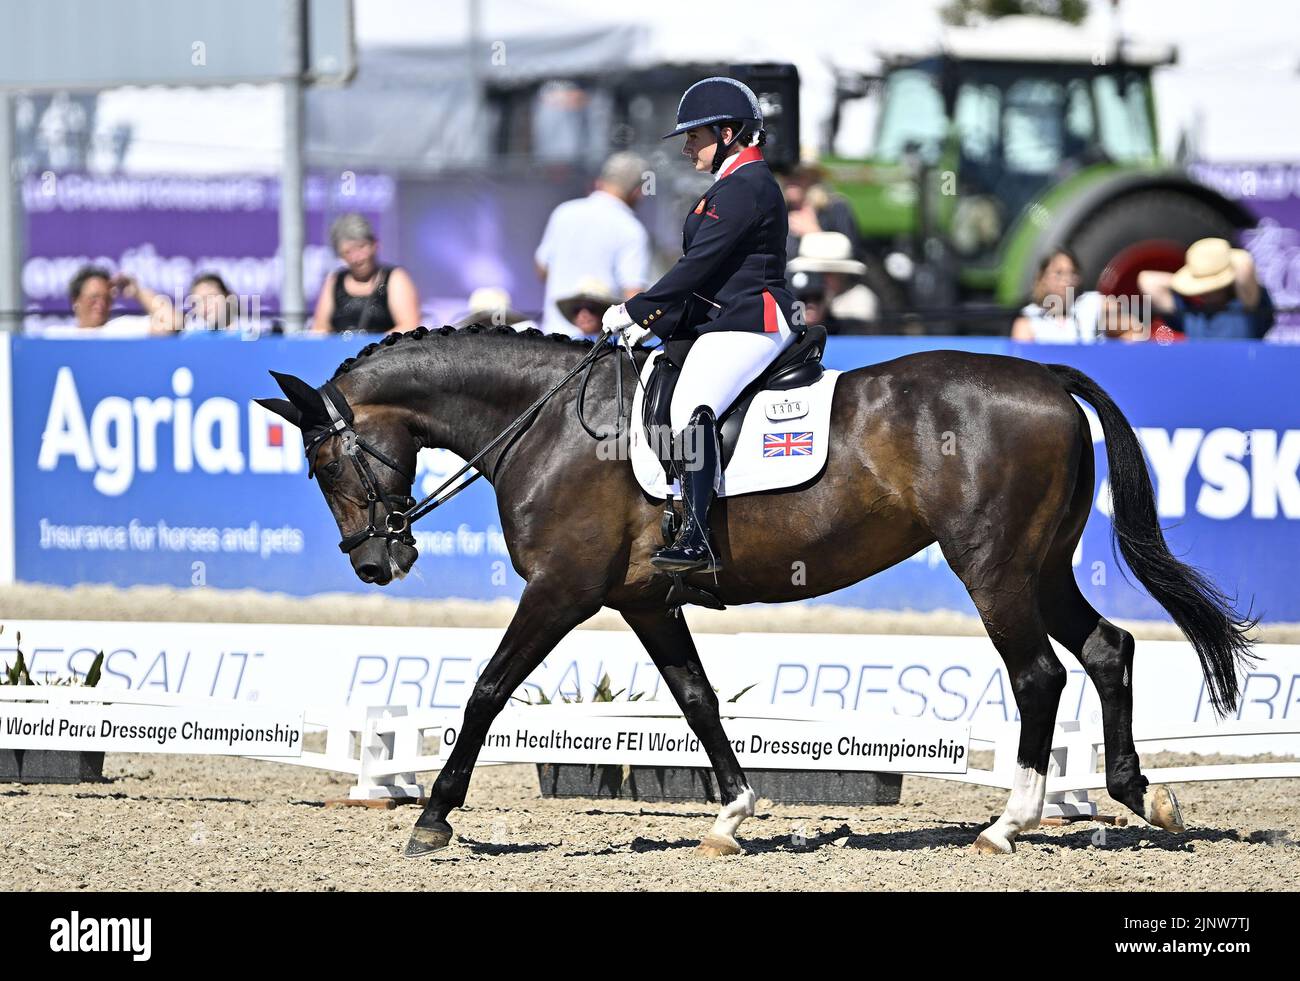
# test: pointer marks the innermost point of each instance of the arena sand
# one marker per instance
(217, 823)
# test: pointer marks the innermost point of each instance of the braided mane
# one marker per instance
(532, 335)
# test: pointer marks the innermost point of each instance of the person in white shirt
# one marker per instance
(92, 291)
(596, 236)
(1056, 314)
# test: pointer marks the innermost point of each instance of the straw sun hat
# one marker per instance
(1208, 267)
(589, 291)
(826, 252)
(490, 305)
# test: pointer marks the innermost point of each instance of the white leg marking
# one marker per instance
(732, 814)
(1024, 808)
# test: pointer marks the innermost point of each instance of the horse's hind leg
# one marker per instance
(1003, 582)
(1106, 653)
(1037, 680)
(668, 640)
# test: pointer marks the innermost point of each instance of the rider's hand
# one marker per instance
(615, 319)
(634, 334)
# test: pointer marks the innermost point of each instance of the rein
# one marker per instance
(398, 520)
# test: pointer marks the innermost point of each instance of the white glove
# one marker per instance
(616, 318)
(634, 334)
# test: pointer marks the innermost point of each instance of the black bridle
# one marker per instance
(402, 510)
(396, 525)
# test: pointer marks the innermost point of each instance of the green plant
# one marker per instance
(603, 692)
(17, 673)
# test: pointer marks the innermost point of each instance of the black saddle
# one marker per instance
(798, 365)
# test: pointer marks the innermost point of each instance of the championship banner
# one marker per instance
(128, 728)
(886, 745)
(935, 680)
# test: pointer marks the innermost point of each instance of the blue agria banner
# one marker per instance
(147, 462)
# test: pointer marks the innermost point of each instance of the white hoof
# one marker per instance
(991, 843)
(1162, 811)
(718, 846)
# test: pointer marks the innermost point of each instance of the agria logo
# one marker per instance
(120, 437)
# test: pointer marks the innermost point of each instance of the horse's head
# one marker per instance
(365, 459)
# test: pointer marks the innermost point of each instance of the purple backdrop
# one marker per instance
(453, 233)
(1272, 192)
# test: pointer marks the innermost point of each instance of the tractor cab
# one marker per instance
(1004, 132)
(999, 142)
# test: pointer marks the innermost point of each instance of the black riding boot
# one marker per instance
(691, 551)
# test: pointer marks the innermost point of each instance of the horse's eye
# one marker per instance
(333, 469)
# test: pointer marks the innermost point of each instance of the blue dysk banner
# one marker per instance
(148, 462)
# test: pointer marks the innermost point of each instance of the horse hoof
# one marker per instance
(715, 846)
(1163, 811)
(984, 845)
(426, 841)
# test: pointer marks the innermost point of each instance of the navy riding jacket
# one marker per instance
(731, 275)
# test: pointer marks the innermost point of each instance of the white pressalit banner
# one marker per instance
(887, 745)
(936, 679)
(129, 728)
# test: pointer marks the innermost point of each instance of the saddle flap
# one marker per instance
(798, 366)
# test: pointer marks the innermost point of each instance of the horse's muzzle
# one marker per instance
(380, 562)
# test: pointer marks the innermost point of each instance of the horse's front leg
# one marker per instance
(541, 620)
(668, 640)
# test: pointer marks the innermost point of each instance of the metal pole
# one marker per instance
(476, 73)
(292, 235)
(12, 232)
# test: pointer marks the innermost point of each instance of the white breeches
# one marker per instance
(720, 365)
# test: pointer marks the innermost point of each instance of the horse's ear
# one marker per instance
(286, 410)
(306, 399)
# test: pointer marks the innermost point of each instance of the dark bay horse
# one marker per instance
(989, 456)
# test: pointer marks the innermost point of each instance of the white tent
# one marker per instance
(1235, 82)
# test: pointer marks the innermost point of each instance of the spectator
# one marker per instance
(1214, 295)
(492, 306)
(586, 305)
(366, 296)
(92, 291)
(811, 207)
(1056, 314)
(831, 255)
(212, 307)
(598, 235)
(809, 289)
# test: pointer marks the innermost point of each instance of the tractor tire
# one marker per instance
(1166, 220)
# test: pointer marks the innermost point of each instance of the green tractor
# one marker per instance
(1004, 142)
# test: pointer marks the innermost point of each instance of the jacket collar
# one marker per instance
(745, 156)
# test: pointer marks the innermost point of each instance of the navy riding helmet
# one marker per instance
(714, 101)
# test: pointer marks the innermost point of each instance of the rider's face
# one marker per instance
(700, 146)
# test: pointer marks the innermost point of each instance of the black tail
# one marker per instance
(1204, 614)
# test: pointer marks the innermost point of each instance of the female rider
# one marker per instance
(728, 289)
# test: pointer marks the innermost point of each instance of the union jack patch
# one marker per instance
(787, 444)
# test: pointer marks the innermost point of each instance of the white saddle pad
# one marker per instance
(783, 440)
